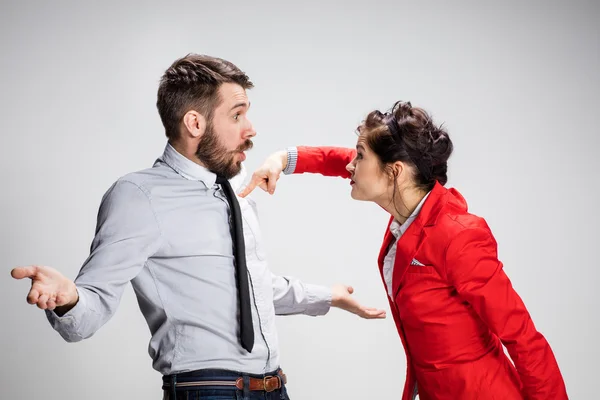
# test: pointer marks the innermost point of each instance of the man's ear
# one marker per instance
(194, 123)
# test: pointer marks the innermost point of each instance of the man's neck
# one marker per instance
(188, 153)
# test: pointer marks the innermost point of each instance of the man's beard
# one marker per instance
(216, 157)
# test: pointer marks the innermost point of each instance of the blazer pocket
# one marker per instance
(421, 269)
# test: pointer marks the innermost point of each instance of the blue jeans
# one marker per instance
(187, 391)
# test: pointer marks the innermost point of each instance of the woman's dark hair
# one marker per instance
(408, 134)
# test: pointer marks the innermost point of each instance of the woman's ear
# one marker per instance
(393, 171)
(398, 169)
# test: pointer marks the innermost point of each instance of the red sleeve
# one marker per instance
(473, 268)
(328, 161)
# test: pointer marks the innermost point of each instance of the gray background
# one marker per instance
(516, 85)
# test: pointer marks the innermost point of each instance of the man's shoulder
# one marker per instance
(147, 178)
(143, 181)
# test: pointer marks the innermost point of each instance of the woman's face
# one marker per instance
(369, 182)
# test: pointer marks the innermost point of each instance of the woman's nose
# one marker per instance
(350, 167)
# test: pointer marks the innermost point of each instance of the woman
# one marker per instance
(453, 304)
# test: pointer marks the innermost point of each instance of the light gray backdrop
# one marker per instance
(516, 85)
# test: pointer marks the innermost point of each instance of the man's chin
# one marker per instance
(237, 169)
(233, 170)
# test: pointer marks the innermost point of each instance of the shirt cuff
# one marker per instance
(319, 299)
(292, 160)
(68, 324)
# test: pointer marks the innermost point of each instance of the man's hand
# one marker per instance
(342, 298)
(49, 288)
(267, 175)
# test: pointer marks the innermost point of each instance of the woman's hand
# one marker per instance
(267, 175)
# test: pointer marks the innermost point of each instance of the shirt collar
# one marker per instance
(398, 229)
(196, 172)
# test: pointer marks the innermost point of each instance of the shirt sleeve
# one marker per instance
(291, 296)
(127, 234)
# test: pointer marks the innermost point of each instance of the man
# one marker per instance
(191, 249)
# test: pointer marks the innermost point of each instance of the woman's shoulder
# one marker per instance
(454, 218)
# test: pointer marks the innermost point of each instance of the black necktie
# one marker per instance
(241, 270)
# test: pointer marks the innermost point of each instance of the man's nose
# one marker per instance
(249, 131)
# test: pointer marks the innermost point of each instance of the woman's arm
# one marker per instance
(472, 266)
(324, 160)
(328, 161)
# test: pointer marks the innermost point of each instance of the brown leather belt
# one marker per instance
(267, 384)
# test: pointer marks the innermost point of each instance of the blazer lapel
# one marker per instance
(407, 248)
(388, 238)
(411, 241)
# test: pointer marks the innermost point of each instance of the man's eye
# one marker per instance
(236, 116)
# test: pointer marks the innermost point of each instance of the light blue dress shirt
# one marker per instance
(165, 229)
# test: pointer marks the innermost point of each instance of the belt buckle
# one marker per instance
(273, 388)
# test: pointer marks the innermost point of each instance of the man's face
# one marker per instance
(227, 135)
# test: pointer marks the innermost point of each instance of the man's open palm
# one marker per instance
(49, 288)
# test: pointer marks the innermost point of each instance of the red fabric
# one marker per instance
(328, 161)
(454, 313)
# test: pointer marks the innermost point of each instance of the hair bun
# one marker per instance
(402, 109)
(408, 134)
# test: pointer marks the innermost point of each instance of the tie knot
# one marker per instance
(221, 179)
